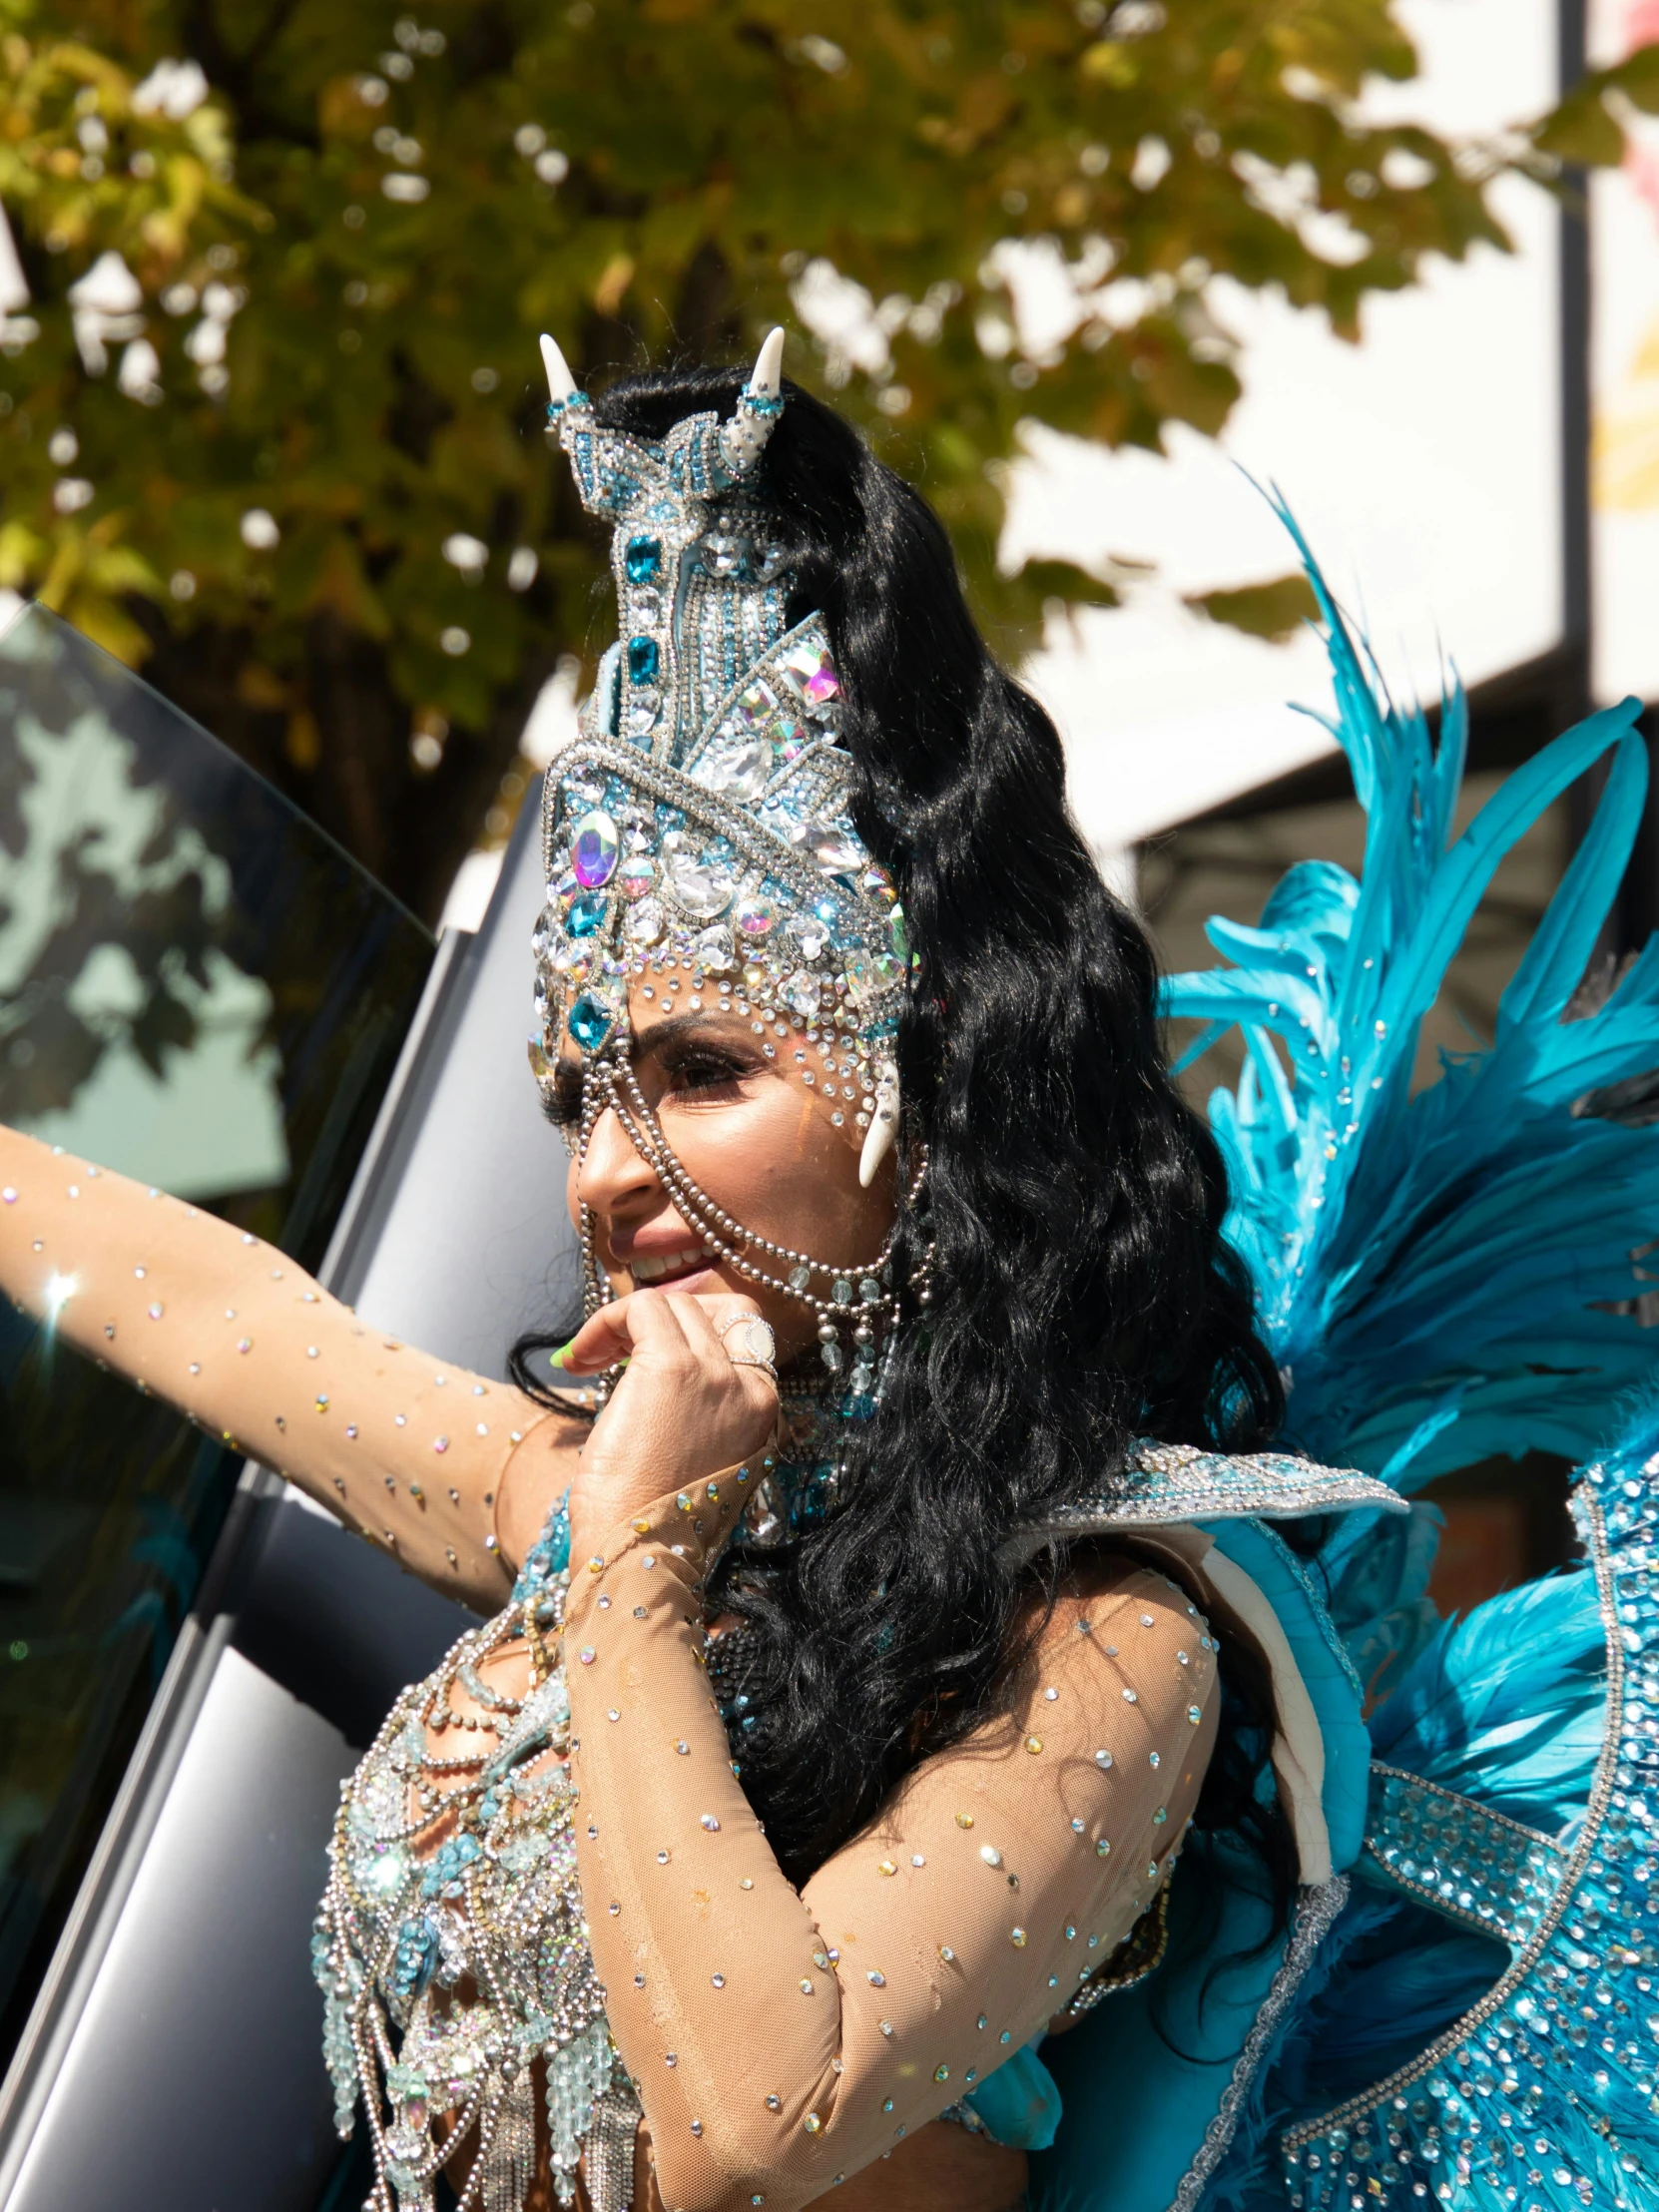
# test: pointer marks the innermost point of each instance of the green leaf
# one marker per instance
(1637, 78)
(645, 180)
(1275, 610)
(1582, 129)
(1048, 581)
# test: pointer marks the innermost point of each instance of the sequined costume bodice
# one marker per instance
(459, 1974)
(496, 1908)
(453, 1923)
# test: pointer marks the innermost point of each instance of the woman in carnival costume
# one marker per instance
(916, 1583)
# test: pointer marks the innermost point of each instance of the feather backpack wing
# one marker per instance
(1446, 1275)
(1435, 1271)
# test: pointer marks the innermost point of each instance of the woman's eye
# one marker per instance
(705, 1071)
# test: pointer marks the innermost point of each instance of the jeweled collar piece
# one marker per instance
(697, 834)
(1180, 1482)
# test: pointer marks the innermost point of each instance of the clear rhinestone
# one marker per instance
(741, 771)
(646, 923)
(704, 887)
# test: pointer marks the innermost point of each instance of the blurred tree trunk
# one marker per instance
(338, 743)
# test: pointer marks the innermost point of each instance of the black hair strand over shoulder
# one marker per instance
(1082, 1291)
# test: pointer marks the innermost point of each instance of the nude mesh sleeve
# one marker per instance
(778, 2038)
(407, 1450)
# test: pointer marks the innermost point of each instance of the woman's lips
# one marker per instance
(651, 1268)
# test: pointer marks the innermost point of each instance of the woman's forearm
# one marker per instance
(782, 2038)
(410, 1452)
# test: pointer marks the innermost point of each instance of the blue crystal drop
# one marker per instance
(590, 1021)
(548, 1556)
(643, 560)
(643, 660)
(585, 916)
(556, 1535)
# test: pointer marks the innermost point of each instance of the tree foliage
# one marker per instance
(269, 417)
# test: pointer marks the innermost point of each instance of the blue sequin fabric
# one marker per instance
(1544, 2096)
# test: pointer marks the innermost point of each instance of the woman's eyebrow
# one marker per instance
(670, 1031)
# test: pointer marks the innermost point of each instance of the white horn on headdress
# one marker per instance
(560, 382)
(767, 377)
(743, 439)
(883, 1125)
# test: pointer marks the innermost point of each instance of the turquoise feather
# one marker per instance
(1544, 2094)
(1429, 1269)
(1505, 1705)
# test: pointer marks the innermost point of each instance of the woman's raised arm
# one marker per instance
(410, 1452)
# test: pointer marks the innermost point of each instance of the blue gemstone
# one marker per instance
(591, 1021)
(643, 560)
(584, 915)
(643, 660)
(417, 1955)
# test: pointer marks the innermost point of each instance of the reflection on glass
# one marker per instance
(197, 988)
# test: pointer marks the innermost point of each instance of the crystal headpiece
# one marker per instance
(696, 832)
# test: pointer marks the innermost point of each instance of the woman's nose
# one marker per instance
(612, 1172)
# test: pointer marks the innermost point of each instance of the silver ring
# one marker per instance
(757, 1346)
(764, 1367)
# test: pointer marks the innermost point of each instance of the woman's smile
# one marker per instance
(665, 1267)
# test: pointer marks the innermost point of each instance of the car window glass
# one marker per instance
(199, 990)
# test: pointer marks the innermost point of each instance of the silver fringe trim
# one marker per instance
(509, 2162)
(1310, 1925)
(607, 2149)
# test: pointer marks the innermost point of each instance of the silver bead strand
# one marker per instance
(715, 1228)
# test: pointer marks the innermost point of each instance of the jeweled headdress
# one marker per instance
(696, 832)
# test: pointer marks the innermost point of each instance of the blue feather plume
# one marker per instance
(1432, 1270)
(1387, 1979)
(1506, 1705)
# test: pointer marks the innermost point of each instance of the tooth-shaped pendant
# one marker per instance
(883, 1125)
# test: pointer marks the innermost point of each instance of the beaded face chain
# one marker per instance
(860, 1301)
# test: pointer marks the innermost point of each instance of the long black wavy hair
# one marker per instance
(1081, 1291)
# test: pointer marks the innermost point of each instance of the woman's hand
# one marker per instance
(681, 1411)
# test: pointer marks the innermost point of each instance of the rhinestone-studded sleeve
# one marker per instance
(242, 1340)
(780, 2039)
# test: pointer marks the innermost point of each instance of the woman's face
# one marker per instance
(759, 1143)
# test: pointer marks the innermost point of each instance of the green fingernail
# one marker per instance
(559, 1358)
